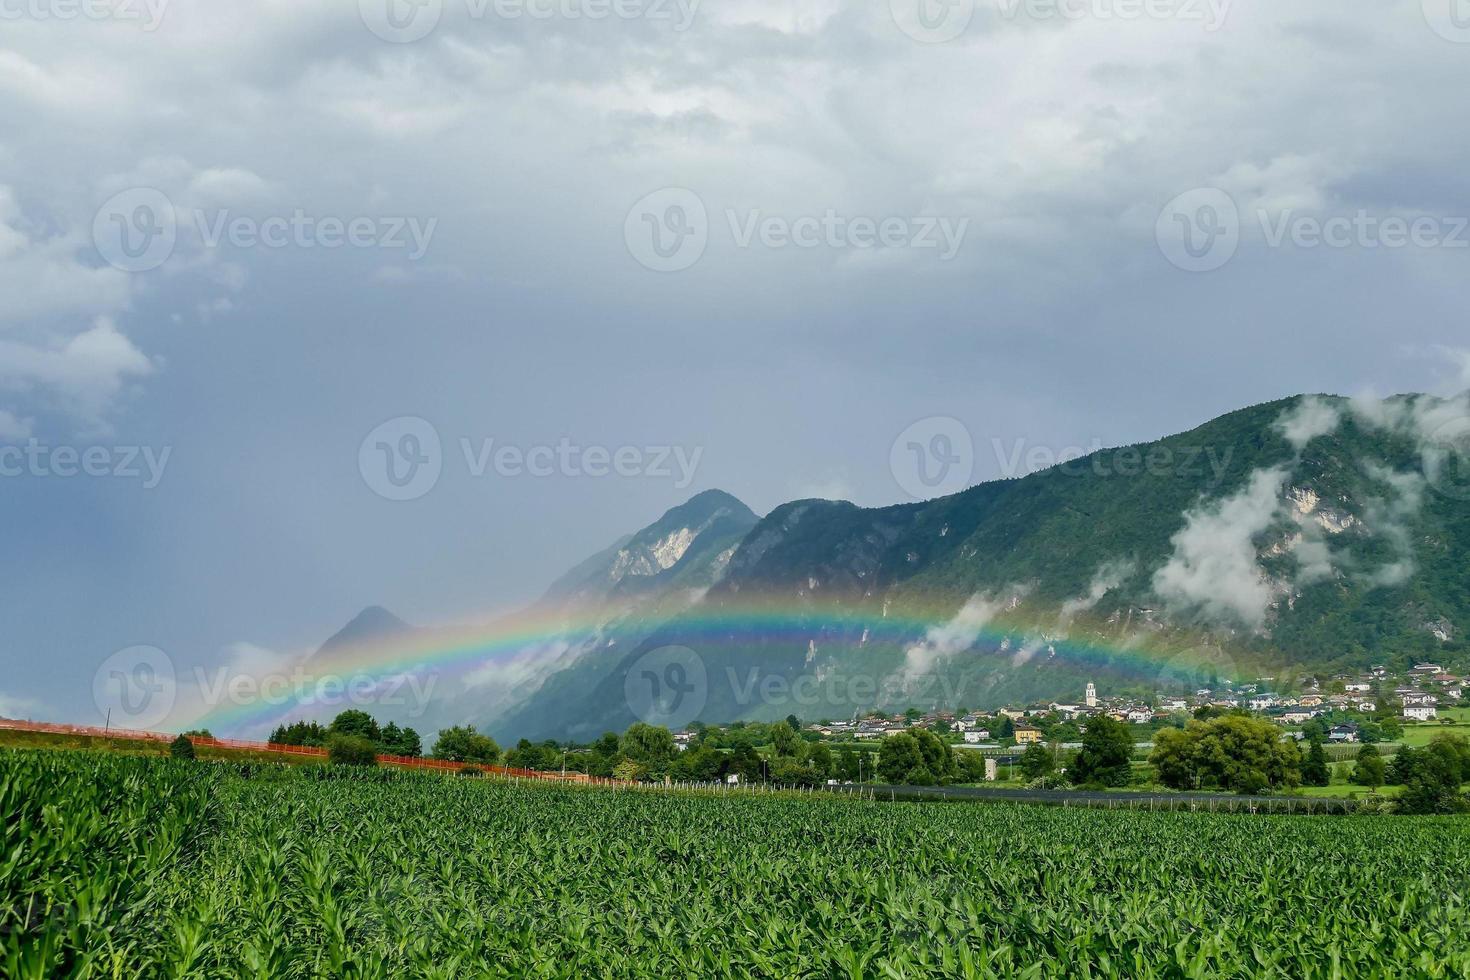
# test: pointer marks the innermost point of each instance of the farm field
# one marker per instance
(132, 866)
(1418, 735)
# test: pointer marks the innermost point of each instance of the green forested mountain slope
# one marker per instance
(1309, 535)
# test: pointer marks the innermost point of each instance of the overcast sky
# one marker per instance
(253, 255)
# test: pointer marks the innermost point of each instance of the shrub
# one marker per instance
(351, 750)
(181, 748)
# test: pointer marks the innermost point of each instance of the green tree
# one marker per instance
(820, 759)
(651, 746)
(847, 764)
(898, 757)
(358, 723)
(971, 766)
(305, 733)
(1037, 761)
(400, 741)
(745, 762)
(181, 748)
(1315, 770)
(1107, 753)
(938, 756)
(1369, 770)
(1431, 778)
(1235, 752)
(463, 744)
(351, 750)
(698, 764)
(628, 771)
(784, 741)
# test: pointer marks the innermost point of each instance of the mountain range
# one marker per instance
(1300, 538)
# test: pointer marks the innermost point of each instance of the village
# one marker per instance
(1362, 707)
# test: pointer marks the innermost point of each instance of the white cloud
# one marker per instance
(17, 708)
(83, 375)
(1391, 518)
(14, 429)
(1213, 570)
(1108, 576)
(944, 641)
(1311, 418)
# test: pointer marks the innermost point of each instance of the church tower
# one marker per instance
(1091, 695)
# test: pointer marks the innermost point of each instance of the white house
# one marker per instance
(1358, 687)
(1367, 705)
(1420, 712)
(977, 736)
(1420, 700)
(1262, 702)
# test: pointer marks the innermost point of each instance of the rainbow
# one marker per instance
(518, 644)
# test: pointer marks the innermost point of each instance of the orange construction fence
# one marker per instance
(408, 762)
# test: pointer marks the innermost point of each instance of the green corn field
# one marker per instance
(142, 867)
